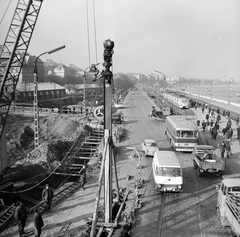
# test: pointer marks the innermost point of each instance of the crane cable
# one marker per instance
(5, 11)
(89, 56)
(95, 34)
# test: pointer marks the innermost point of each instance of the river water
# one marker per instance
(218, 91)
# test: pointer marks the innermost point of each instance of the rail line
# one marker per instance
(161, 214)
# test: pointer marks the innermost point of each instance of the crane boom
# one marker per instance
(14, 51)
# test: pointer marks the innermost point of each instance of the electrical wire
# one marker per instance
(5, 11)
(89, 56)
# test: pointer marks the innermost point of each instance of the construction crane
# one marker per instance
(12, 56)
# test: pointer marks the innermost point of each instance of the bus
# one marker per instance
(182, 132)
(167, 171)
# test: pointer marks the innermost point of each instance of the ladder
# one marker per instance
(14, 51)
(6, 216)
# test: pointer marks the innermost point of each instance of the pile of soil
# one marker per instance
(56, 135)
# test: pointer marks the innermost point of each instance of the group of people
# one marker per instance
(21, 213)
(211, 121)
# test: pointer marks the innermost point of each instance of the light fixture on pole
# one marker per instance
(94, 71)
(212, 81)
(35, 103)
(229, 87)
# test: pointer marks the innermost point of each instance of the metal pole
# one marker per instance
(107, 74)
(84, 92)
(36, 114)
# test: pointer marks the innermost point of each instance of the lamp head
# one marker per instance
(108, 44)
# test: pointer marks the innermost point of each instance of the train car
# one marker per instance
(178, 100)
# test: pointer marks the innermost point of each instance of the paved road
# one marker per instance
(191, 213)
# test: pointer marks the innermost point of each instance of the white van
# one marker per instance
(167, 171)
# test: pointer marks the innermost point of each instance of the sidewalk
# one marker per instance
(233, 164)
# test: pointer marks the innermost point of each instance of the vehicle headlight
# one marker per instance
(179, 186)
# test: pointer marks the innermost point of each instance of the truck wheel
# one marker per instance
(199, 174)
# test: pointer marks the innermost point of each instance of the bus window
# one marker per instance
(178, 134)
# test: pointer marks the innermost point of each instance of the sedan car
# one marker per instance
(149, 146)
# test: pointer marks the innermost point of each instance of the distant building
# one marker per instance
(25, 92)
(27, 72)
(64, 71)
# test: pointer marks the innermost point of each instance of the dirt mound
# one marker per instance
(60, 127)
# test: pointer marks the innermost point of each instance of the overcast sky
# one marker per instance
(189, 38)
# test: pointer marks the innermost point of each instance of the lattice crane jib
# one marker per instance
(14, 51)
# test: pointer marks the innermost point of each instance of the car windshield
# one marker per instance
(151, 144)
(170, 172)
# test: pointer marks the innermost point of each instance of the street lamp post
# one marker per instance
(229, 87)
(212, 88)
(199, 85)
(35, 103)
(93, 70)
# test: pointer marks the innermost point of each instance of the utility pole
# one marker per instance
(107, 78)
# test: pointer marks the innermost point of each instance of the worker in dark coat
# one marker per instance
(238, 133)
(222, 148)
(21, 217)
(47, 196)
(203, 126)
(38, 222)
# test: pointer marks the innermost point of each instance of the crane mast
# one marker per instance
(13, 53)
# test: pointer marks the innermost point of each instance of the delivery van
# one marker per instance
(167, 171)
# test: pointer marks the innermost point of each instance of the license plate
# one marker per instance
(186, 144)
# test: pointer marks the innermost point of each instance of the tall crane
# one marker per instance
(12, 57)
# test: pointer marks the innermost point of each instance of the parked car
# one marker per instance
(149, 146)
(119, 106)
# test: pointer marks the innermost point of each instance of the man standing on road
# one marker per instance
(38, 222)
(21, 217)
(238, 133)
(47, 196)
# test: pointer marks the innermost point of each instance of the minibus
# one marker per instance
(167, 171)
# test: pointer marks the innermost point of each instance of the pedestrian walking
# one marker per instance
(203, 109)
(21, 217)
(224, 113)
(38, 222)
(229, 123)
(47, 196)
(237, 120)
(228, 114)
(211, 125)
(228, 148)
(52, 110)
(207, 116)
(198, 123)
(222, 148)
(218, 118)
(203, 126)
(81, 181)
(214, 133)
(218, 111)
(238, 133)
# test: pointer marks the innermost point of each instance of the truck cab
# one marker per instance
(228, 204)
